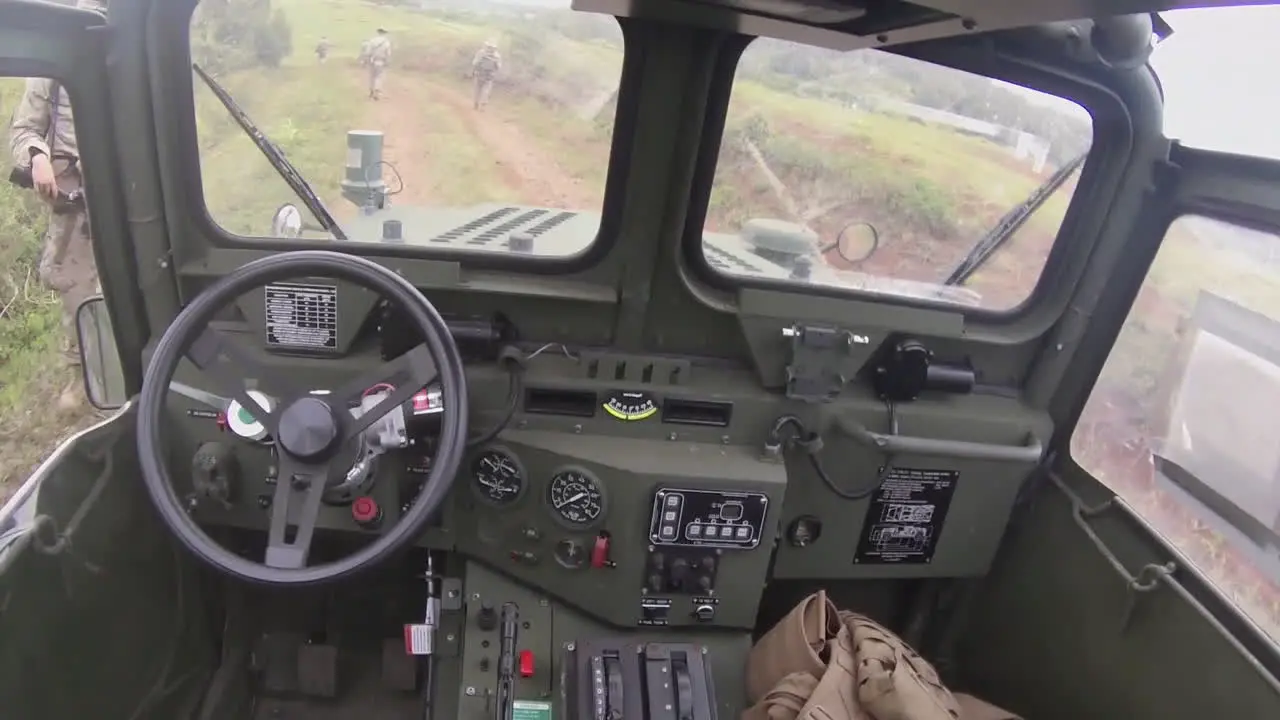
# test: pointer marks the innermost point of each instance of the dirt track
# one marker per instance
(533, 176)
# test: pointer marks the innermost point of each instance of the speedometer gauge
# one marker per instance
(496, 476)
(576, 498)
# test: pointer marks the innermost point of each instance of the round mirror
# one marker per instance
(287, 223)
(857, 241)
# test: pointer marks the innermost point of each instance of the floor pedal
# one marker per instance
(399, 669)
(318, 670)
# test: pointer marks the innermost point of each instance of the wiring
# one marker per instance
(811, 444)
(514, 363)
(368, 177)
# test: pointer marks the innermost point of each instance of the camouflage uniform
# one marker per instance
(377, 54)
(484, 67)
(66, 262)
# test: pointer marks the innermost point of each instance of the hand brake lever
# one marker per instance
(507, 662)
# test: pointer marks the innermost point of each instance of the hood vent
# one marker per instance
(498, 226)
(727, 262)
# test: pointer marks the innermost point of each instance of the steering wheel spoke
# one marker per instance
(294, 512)
(406, 375)
(206, 353)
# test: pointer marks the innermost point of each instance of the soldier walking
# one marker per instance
(322, 49)
(376, 54)
(484, 67)
(42, 141)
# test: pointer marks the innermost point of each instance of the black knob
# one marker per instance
(487, 618)
(704, 613)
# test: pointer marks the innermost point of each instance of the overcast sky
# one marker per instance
(1219, 71)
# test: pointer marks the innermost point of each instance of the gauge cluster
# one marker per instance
(574, 498)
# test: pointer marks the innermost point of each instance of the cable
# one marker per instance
(516, 389)
(513, 360)
(811, 444)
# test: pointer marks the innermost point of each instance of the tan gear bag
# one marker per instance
(820, 663)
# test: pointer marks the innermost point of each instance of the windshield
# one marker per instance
(874, 172)
(462, 124)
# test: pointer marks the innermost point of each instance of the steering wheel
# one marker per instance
(306, 429)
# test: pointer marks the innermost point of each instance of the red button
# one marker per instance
(526, 663)
(365, 511)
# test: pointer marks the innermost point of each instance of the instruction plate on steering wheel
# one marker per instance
(301, 316)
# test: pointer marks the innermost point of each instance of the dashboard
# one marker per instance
(638, 489)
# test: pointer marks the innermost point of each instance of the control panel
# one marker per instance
(706, 518)
(689, 532)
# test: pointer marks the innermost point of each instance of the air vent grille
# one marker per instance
(635, 370)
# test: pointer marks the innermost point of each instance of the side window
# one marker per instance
(46, 271)
(1182, 423)
(876, 173)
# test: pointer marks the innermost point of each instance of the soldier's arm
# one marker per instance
(30, 126)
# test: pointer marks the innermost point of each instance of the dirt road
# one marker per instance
(532, 176)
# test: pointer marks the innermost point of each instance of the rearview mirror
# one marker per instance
(856, 242)
(287, 222)
(99, 358)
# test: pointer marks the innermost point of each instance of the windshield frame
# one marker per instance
(178, 86)
(1104, 167)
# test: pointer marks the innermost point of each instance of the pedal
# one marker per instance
(275, 657)
(318, 670)
(399, 670)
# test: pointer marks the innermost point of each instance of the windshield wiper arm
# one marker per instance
(1009, 224)
(274, 156)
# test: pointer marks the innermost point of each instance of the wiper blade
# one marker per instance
(274, 156)
(1009, 224)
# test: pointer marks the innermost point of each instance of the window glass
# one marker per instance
(474, 127)
(873, 172)
(1182, 421)
(1220, 105)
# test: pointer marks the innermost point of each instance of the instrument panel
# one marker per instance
(638, 489)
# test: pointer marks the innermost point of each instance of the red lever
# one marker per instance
(526, 663)
(600, 552)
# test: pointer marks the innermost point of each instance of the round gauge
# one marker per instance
(576, 498)
(496, 477)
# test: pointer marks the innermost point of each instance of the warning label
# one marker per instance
(905, 517)
(302, 316)
(530, 710)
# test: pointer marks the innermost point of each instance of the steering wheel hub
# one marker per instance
(309, 429)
